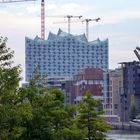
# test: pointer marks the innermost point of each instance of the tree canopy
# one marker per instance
(90, 120)
(38, 113)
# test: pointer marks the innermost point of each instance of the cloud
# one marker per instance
(121, 26)
(72, 8)
(57, 9)
(33, 9)
(119, 16)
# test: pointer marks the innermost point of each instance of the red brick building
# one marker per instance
(88, 79)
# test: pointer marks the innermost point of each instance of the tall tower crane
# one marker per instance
(43, 19)
(87, 25)
(83, 20)
(42, 13)
(69, 20)
(10, 1)
(136, 51)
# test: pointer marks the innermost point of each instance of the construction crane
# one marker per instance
(69, 21)
(84, 20)
(87, 24)
(136, 51)
(43, 19)
(10, 1)
(42, 13)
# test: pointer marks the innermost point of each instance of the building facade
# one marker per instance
(63, 55)
(124, 90)
(115, 92)
(107, 104)
(131, 87)
(88, 79)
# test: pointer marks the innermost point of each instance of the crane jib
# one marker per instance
(10, 1)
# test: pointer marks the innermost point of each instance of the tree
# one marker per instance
(36, 113)
(9, 76)
(38, 128)
(62, 118)
(89, 118)
(5, 53)
(52, 119)
(12, 112)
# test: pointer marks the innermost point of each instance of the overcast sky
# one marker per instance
(120, 23)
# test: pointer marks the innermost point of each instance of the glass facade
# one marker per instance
(64, 54)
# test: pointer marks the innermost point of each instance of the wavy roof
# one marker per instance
(61, 35)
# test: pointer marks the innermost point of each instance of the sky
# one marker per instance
(120, 23)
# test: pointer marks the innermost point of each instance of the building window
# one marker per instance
(116, 106)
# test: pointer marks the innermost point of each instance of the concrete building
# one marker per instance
(115, 92)
(107, 104)
(131, 87)
(88, 79)
(63, 55)
(124, 89)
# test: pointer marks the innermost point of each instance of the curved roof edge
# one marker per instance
(61, 34)
(82, 37)
(98, 41)
(37, 38)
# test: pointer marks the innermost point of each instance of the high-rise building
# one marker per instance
(63, 54)
(107, 95)
(124, 90)
(131, 87)
(115, 92)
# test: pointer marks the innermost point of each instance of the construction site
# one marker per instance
(75, 63)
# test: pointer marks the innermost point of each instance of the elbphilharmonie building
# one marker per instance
(63, 54)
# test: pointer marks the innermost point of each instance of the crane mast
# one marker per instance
(87, 25)
(42, 19)
(42, 13)
(11, 1)
(69, 20)
(82, 20)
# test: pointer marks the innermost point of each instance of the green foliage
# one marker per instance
(9, 76)
(12, 112)
(89, 118)
(35, 113)
(5, 53)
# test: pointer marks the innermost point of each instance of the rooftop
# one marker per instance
(63, 35)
